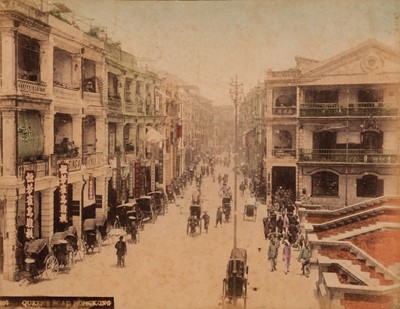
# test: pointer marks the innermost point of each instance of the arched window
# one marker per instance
(369, 186)
(284, 101)
(325, 184)
(283, 140)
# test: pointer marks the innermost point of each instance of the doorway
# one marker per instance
(284, 177)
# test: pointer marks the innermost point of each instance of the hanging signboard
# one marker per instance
(131, 179)
(153, 177)
(29, 204)
(160, 166)
(63, 187)
(91, 187)
(137, 179)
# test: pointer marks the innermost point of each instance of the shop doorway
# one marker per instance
(284, 177)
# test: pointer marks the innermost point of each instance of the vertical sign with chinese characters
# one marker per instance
(91, 192)
(160, 166)
(152, 177)
(63, 187)
(29, 204)
(137, 179)
(131, 180)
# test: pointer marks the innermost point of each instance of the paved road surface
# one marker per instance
(169, 269)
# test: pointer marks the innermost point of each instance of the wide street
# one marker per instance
(169, 269)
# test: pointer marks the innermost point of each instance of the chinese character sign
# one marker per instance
(91, 187)
(160, 166)
(63, 188)
(29, 204)
(153, 177)
(137, 179)
(131, 179)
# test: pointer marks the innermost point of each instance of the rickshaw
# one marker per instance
(91, 235)
(234, 285)
(159, 201)
(146, 206)
(120, 221)
(226, 207)
(75, 243)
(59, 247)
(194, 220)
(135, 215)
(39, 260)
(170, 194)
(103, 228)
(250, 208)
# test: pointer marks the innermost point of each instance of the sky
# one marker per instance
(207, 43)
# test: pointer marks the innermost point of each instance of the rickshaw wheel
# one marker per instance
(200, 228)
(52, 267)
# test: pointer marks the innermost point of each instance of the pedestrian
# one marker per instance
(121, 251)
(272, 254)
(266, 227)
(304, 257)
(242, 187)
(219, 216)
(287, 252)
(134, 232)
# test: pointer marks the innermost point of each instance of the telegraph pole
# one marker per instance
(236, 93)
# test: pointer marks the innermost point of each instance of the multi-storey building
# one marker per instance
(332, 126)
(78, 120)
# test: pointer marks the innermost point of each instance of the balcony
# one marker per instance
(65, 93)
(285, 111)
(30, 88)
(40, 167)
(93, 160)
(114, 100)
(352, 109)
(349, 156)
(92, 98)
(281, 153)
(74, 163)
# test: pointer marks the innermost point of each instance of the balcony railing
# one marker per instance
(40, 167)
(92, 98)
(280, 153)
(66, 93)
(288, 111)
(30, 88)
(352, 109)
(74, 164)
(349, 155)
(93, 160)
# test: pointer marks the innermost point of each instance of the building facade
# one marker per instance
(332, 127)
(81, 128)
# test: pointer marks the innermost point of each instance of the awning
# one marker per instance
(153, 136)
(30, 134)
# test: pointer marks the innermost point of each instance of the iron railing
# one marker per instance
(352, 109)
(348, 155)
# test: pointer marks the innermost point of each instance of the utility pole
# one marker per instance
(236, 93)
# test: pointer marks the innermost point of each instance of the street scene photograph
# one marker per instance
(200, 154)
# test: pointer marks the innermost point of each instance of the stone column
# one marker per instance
(10, 234)
(77, 131)
(9, 120)
(119, 135)
(101, 135)
(48, 212)
(8, 62)
(269, 102)
(46, 63)
(48, 128)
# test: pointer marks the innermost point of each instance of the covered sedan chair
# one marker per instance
(59, 247)
(91, 235)
(235, 282)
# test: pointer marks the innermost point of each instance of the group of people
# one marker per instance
(282, 226)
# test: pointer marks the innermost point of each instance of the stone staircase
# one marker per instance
(348, 276)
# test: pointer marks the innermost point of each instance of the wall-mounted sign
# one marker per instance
(152, 177)
(29, 204)
(91, 189)
(137, 179)
(63, 187)
(131, 179)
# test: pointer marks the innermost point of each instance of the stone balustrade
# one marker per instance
(66, 94)
(93, 160)
(40, 167)
(30, 88)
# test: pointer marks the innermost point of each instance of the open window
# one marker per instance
(28, 58)
(325, 184)
(369, 186)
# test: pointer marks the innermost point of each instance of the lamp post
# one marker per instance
(236, 91)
